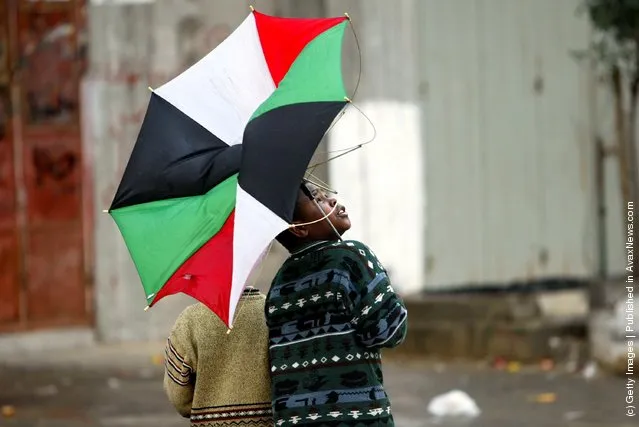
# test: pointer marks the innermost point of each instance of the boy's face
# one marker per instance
(307, 211)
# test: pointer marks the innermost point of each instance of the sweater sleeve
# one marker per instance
(380, 314)
(180, 362)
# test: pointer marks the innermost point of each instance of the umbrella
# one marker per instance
(214, 174)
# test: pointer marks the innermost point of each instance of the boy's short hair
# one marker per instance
(286, 238)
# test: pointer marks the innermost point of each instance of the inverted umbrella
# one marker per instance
(214, 174)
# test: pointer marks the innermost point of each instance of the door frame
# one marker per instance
(21, 130)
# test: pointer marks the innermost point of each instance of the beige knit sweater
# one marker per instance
(219, 379)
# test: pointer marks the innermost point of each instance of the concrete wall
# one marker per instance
(509, 142)
(482, 171)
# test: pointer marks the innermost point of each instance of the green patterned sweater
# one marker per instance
(330, 310)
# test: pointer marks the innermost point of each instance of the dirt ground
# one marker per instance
(121, 386)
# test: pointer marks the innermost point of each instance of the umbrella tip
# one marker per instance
(150, 88)
(252, 8)
(347, 99)
(146, 308)
(105, 211)
(347, 16)
(228, 331)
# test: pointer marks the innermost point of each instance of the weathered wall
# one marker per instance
(482, 166)
(509, 142)
(482, 171)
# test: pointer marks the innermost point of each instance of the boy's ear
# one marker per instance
(299, 231)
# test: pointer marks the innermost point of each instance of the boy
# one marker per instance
(218, 379)
(330, 310)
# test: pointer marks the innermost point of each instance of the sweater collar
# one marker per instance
(309, 246)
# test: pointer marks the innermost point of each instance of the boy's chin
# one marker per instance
(343, 226)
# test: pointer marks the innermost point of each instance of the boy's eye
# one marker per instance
(319, 196)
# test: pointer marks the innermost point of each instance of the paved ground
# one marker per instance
(121, 386)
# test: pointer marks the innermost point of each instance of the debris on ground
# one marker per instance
(590, 371)
(500, 363)
(513, 367)
(547, 364)
(455, 403)
(545, 398)
(8, 411)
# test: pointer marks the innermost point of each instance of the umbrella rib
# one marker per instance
(359, 52)
(350, 149)
(321, 184)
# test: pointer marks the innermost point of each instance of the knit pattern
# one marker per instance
(330, 310)
(218, 379)
(257, 414)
